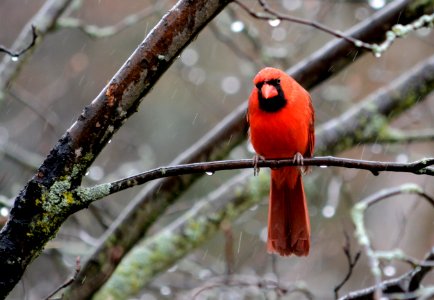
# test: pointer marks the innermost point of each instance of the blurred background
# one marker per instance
(209, 79)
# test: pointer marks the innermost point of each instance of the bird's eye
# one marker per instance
(278, 81)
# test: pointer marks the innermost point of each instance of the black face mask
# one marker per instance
(272, 104)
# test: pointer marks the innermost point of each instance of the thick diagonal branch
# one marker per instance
(46, 201)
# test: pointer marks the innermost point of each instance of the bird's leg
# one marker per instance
(256, 159)
(298, 159)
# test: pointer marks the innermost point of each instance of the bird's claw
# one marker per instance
(298, 159)
(256, 159)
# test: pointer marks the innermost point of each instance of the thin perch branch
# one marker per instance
(420, 167)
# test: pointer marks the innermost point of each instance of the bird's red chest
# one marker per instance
(280, 134)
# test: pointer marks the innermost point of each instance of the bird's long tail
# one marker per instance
(288, 218)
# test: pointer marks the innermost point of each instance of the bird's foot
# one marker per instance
(256, 159)
(298, 159)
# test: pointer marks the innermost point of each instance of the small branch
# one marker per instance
(397, 31)
(44, 20)
(94, 31)
(357, 215)
(420, 167)
(261, 284)
(351, 264)
(17, 54)
(69, 281)
(405, 284)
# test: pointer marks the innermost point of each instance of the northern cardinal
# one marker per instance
(281, 119)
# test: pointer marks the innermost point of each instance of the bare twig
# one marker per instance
(273, 15)
(357, 214)
(261, 284)
(396, 32)
(94, 31)
(351, 263)
(404, 285)
(418, 167)
(44, 21)
(69, 281)
(17, 54)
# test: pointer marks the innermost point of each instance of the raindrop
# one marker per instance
(291, 4)
(274, 22)
(87, 173)
(109, 141)
(4, 211)
(189, 57)
(95, 173)
(237, 26)
(323, 167)
(328, 211)
(389, 271)
(197, 76)
(165, 290)
(14, 58)
(254, 207)
(377, 4)
(402, 158)
(376, 148)
(230, 85)
(209, 173)
(377, 54)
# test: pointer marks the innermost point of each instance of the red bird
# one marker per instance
(281, 120)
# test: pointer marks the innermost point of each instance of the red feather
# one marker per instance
(281, 120)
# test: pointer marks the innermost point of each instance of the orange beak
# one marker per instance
(268, 91)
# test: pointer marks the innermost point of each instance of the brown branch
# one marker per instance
(273, 15)
(395, 32)
(420, 167)
(69, 281)
(16, 54)
(351, 264)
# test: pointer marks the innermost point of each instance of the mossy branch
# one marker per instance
(357, 215)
